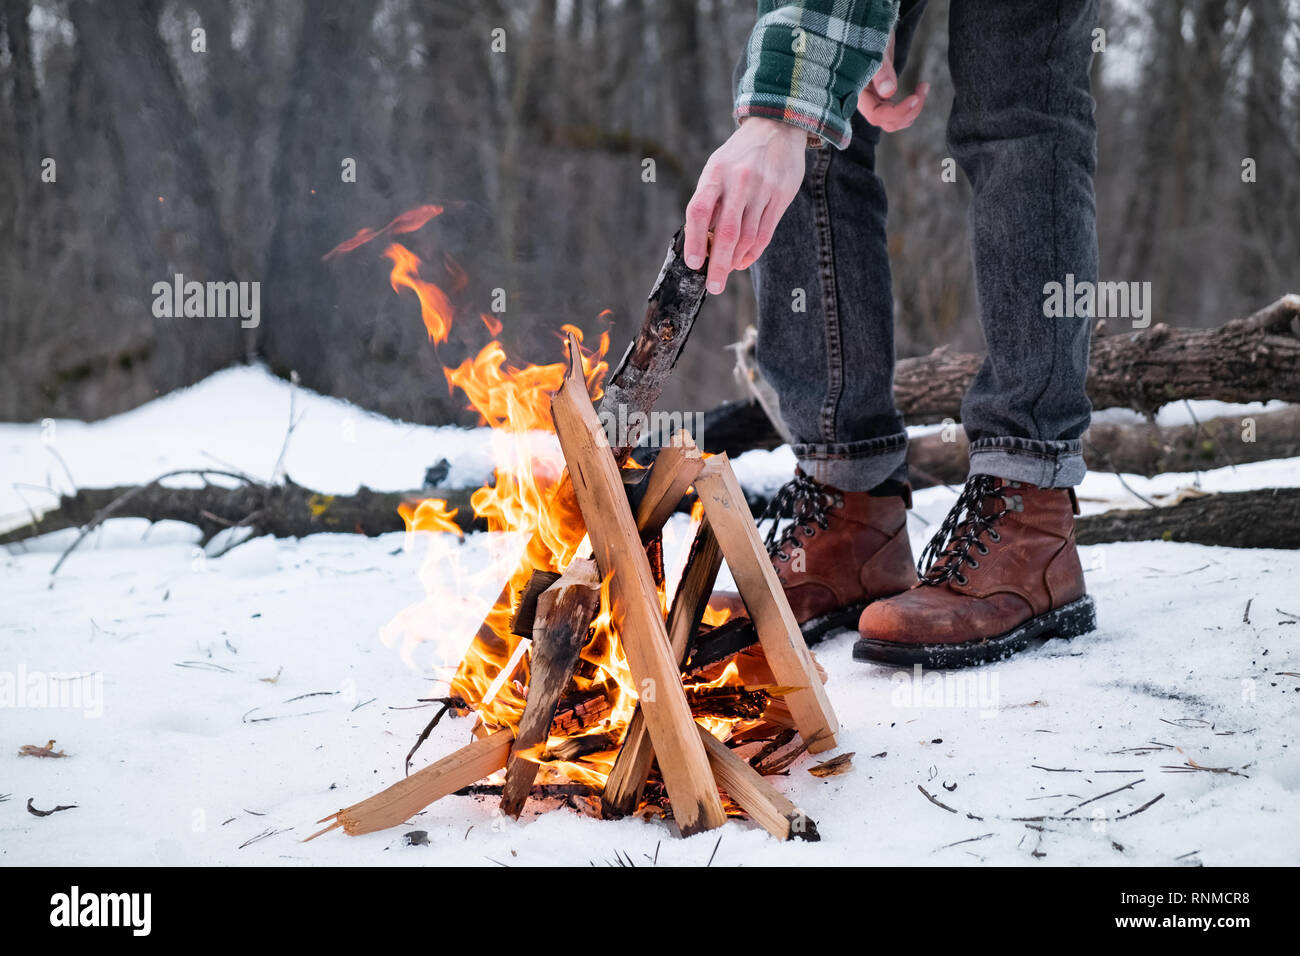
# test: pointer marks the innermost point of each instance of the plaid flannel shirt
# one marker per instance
(808, 60)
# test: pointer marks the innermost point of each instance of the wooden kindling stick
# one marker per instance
(778, 631)
(763, 802)
(560, 626)
(410, 795)
(632, 766)
(616, 545)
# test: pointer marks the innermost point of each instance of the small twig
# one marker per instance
(935, 800)
(447, 704)
(262, 836)
(277, 473)
(974, 839)
(1126, 786)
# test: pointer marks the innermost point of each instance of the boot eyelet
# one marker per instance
(972, 562)
(993, 535)
(809, 530)
(961, 579)
(983, 548)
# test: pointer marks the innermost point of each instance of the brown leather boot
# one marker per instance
(842, 550)
(1002, 571)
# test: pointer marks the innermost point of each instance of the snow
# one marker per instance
(205, 703)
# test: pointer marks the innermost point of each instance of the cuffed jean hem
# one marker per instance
(1047, 464)
(855, 466)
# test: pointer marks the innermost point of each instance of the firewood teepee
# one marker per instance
(692, 762)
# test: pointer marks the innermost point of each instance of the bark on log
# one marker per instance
(674, 304)
(1269, 518)
(1143, 449)
(283, 511)
(1247, 360)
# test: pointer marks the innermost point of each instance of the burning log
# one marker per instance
(617, 546)
(562, 620)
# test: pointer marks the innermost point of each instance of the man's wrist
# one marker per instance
(810, 139)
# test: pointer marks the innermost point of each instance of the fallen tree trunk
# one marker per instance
(283, 511)
(1143, 449)
(1247, 360)
(1268, 518)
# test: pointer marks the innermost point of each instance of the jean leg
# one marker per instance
(826, 312)
(1022, 130)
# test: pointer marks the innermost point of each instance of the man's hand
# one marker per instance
(874, 101)
(745, 188)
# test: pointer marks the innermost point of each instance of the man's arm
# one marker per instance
(807, 62)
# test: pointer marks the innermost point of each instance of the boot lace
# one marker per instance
(949, 551)
(807, 501)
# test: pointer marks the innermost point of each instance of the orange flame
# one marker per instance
(491, 671)
(431, 514)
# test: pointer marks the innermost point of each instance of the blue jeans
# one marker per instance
(1022, 131)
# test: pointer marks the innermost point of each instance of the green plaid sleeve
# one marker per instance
(808, 60)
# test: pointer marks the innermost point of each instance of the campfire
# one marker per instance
(599, 673)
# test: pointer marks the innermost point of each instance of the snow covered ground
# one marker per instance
(213, 709)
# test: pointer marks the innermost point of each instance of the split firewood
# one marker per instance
(632, 766)
(673, 472)
(778, 631)
(616, 545)
(561, 623)
(407, 797)
(758, 798)
(575, 748)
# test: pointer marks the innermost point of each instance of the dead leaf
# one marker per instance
(45, 813)
(272, 680)
(32, 750)
(833, 767)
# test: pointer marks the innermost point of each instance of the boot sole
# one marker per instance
(1070, 620)
(815, 629)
